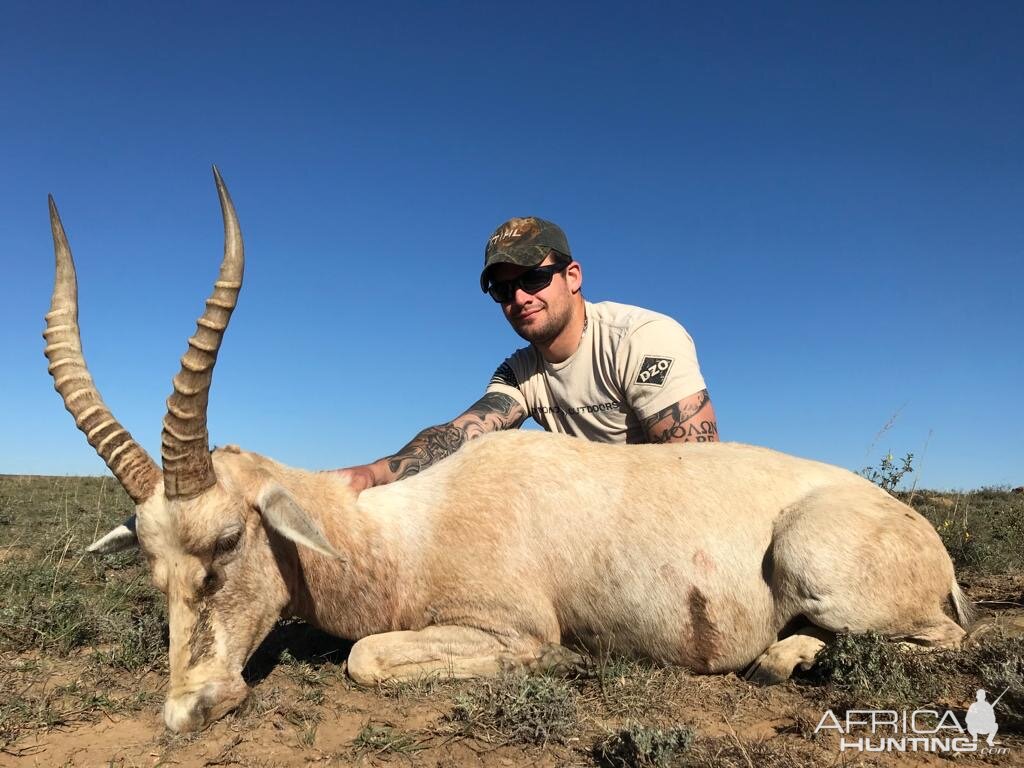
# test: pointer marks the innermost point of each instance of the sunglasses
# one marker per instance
(531, 281)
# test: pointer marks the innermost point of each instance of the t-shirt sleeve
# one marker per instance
(661, 366)
(506, 381)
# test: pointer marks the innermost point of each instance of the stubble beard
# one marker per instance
(548, 331)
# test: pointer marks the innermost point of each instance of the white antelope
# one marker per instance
(717, 557)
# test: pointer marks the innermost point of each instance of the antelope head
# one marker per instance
(203, 520)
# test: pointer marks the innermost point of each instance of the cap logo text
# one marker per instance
(512, 230)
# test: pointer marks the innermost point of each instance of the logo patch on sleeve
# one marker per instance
(654, 370)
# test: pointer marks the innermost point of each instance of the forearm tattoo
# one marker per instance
(492, 412)
(676, 423)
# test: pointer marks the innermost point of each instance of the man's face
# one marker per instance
(538, 317)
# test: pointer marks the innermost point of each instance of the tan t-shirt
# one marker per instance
(631, 363)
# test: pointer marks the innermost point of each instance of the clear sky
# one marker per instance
(829, 196)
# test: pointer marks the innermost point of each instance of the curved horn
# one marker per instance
(185, 443)
(128, 460)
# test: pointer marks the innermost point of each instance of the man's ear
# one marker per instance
(574, 277)
(283, 514)
(120, 538)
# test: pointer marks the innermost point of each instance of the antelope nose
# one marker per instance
(195, 710)
(186, 713)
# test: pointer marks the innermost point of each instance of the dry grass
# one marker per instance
(378, 739)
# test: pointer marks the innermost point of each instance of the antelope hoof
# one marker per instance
(559, 661)
(777, 663)
(767, 670)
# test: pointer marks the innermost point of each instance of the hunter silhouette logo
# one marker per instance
(981, 717)
(654, 370)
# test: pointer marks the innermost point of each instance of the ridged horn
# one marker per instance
(128, 460)
(185, 443)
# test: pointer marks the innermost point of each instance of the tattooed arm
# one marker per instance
(490, 413)
(692, 419)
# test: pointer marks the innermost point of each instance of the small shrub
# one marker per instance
(868, 670)
(520, 708)
(638, 746)
(888, 475)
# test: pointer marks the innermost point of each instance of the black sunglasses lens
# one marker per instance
(536, 279)
(501, 292)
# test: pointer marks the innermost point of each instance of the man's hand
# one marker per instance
(359, 478)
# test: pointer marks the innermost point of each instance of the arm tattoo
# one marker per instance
(491, 412)
(508, 412)
(678, 425)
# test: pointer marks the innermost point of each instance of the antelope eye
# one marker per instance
(227, 543)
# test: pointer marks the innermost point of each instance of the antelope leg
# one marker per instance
(446, 651)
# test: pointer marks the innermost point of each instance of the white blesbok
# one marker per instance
(714, 556)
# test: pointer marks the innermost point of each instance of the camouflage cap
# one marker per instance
(523, 241)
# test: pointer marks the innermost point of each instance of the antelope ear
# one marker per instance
(120, 538)
(282, 513)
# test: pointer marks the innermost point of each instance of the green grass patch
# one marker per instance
(56, 599)
(983, 530)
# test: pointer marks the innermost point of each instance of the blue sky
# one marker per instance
(830, 197)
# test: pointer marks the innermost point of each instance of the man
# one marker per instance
(606, 372)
